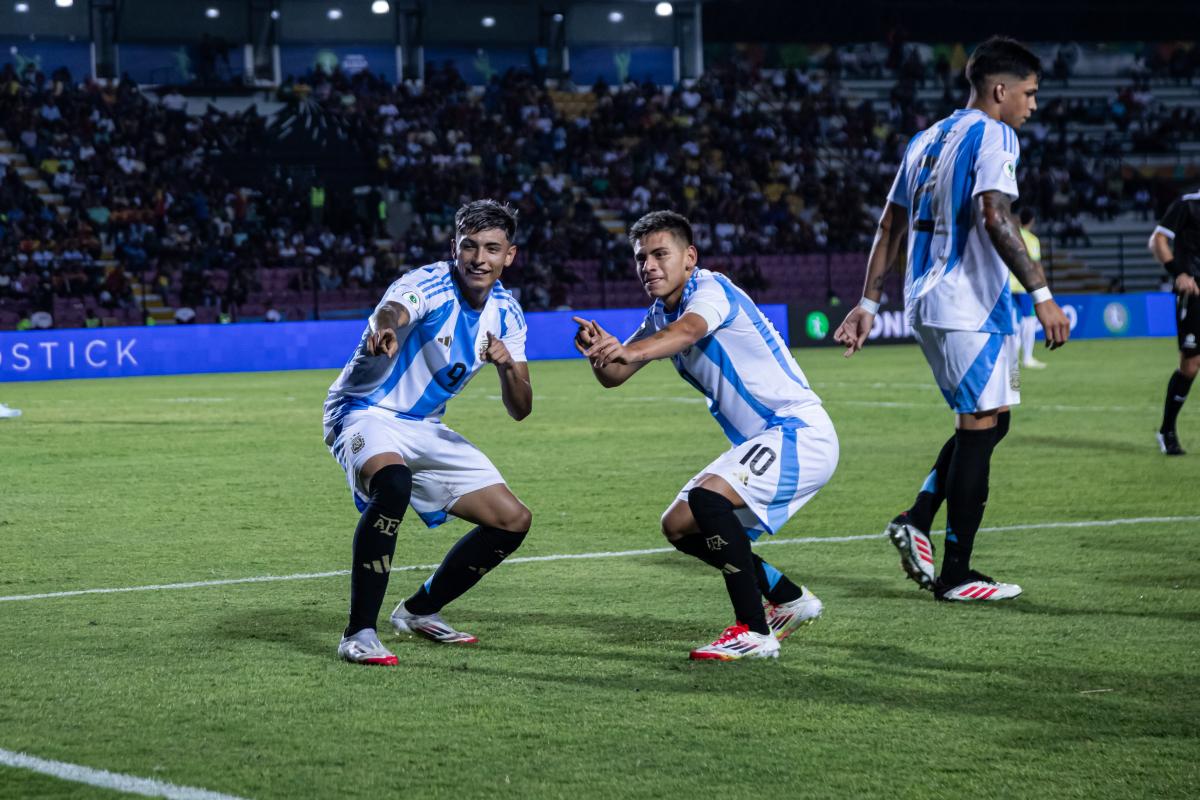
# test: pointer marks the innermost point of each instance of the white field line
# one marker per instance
(108, 780)
(1096, 523)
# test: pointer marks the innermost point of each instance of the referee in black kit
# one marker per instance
(1179, 231)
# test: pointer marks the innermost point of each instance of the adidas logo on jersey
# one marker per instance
(445, 340)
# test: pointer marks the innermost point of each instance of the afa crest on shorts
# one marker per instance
(357, 443)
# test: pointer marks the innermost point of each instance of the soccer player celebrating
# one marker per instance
(434, 329)
(1181, 227)
(952, 201)
(784, 445)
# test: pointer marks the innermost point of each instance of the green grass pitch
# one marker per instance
(1086, 686)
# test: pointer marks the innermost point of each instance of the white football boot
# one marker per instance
(916, 550)
(431, 626)
(738, 641)
(6, 412)
(977, 588)
(785, 619)
(364, 647)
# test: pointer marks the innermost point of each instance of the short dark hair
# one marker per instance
(483, 215)
(1026, 215)
(657, 221)
(1001, 55)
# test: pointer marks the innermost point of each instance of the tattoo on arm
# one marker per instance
(996, 209)
(890, 236)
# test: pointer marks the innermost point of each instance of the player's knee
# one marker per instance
(672, 527)
(516, 518)
(706, 504)
(1189, 367)
(391, 489)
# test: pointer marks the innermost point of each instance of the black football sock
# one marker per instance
(773, 584)
(1177, 392)
(966, 498)
(726, 539)
(1003, 420)
(933, 491)
(472, 557)
(694, 546)
(375, 544)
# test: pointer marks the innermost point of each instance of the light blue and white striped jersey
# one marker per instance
(742, 365)
(439, 349)
(955, 279)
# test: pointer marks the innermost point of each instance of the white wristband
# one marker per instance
(1040, 295)
(869, 305)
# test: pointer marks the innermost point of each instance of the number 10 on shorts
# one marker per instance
(758, 458)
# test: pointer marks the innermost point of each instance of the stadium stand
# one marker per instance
(123, 204)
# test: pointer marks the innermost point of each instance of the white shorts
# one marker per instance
(445, 465)
(778, 471)
(976, 371)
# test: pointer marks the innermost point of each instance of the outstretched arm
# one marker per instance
(890, 236)
(384, 322)
(614, 362)
(610, 375)
(995, 208)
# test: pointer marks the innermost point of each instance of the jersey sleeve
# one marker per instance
(899, 191)
(710, 303)
(644, 330)
(513, 330)
(996, 165)
(408, 295)
(1173, 220)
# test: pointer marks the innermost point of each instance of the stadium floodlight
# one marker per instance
(212, 13)
(664, 9)
(275, 14)
(64, 3)
(615, 16)
(380, 7)
(334, 13)
(21, 8)
(558, 17)
(488, 22)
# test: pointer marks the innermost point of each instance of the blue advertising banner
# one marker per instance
(47, 55)
(477, 65)
(619, 64)
(1092, 316)
(253, 347)
(296, 60)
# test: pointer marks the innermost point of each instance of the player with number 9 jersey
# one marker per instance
(431, 333)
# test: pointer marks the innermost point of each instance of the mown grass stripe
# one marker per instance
(1095, 523)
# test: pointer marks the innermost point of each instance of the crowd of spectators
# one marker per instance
(764, 161)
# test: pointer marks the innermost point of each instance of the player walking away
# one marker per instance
(1026, 320)
(784, 445)
(7, 412)
(1181, 226)
(954, 192)
(434, 329)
